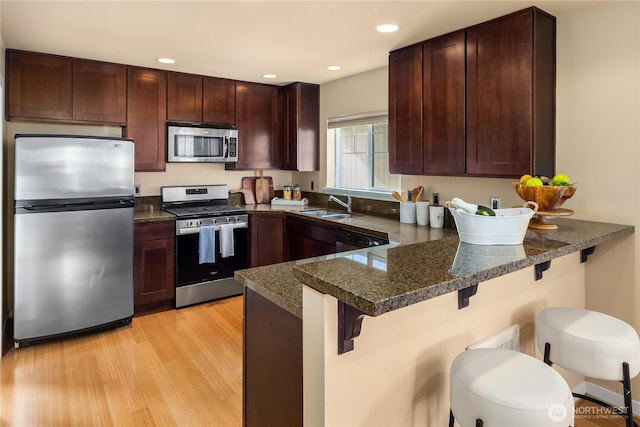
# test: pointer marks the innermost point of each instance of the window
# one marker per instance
(362, 154)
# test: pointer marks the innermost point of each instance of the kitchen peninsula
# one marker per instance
(367, 337)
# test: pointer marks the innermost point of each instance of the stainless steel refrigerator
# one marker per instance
(73, 235)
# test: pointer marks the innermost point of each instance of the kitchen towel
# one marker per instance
(207, 244)
(226, 240)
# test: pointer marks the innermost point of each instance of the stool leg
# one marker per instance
(626, 391)
(451, 418)
(547, 350)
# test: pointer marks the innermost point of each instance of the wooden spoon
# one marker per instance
(398, 196)
(416, 193)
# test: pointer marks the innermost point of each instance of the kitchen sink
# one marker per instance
(328, 214)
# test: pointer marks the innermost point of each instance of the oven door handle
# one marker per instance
(196, 230)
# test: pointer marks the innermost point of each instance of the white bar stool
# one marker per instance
(592, 344)
(504, 388)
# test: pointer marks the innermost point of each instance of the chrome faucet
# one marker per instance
(347, 205)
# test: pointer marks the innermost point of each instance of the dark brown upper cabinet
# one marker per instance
(99, 92)
(405, 111)
(197, 99)
(299, 119)
(511, 95)
(184, 98)
(256, 117)
(146, 117)
(218, 100)
(38, 86)
(505, 124)
(55, 88)
(443, 105)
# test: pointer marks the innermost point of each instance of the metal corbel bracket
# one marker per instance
(540, 268)
(584, 254)
(349, 326)
(465, 294)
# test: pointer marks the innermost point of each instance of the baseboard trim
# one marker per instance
(605, 395)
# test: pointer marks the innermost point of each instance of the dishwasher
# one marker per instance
(348, 240)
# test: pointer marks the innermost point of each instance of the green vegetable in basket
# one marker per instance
(471, 208)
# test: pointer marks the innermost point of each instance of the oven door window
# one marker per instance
(189, 146)
(190, 271)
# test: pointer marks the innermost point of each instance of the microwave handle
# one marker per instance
(226, 147)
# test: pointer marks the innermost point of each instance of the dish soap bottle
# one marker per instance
(471, 208)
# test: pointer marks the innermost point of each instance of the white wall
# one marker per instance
(597, 141)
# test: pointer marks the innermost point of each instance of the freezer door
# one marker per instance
(73, 270)
(56, 167)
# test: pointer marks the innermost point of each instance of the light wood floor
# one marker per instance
(177, 367)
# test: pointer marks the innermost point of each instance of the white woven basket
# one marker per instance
(508, 227)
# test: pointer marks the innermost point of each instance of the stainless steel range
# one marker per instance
(211, 242)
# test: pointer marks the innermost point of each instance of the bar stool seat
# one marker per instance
(592, 344)
(589, 343)
(497, 387)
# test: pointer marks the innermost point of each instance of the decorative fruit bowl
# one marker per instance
(549, 199)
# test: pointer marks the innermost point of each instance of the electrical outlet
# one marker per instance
(138, 190)
(495, 202)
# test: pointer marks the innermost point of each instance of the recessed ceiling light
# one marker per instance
(269, 76)
(166, 60)
(387, 28)
(334, 67)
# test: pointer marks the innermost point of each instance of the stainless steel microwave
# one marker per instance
(201, 144)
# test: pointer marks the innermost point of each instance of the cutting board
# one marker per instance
(248, 188)
(264, 189)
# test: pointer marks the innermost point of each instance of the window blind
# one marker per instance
(367, 118)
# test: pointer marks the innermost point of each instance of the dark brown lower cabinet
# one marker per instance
(154, 281)
(305, 239)
(266, 239)
(272, 364)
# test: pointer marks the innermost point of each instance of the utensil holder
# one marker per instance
(408, 213)
(422, 213)
(436, 216)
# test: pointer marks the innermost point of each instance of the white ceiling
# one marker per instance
(244, 39)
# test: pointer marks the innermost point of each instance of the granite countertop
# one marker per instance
(371, 224)
(152, 215)
(425, 263)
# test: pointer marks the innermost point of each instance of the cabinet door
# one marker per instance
(38, 86)
(256, 116)
(266, 239)
(154, 263)
(146, 117)
(218, 101)
(272, 364)
(317, 248)
(501, 125)
(444, 105)
(299, 118)
(184, 98)
(405, 111)
(99, 92)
